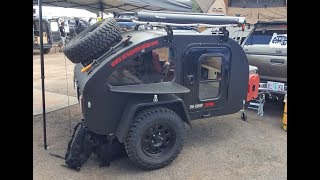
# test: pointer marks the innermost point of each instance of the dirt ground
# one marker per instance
(222, 147)
(58, 72)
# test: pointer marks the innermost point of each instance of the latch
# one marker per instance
(190, 80)
(225, 36)
(169, 33)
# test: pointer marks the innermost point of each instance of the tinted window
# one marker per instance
(210, 77)
(82, 23)
(257, 3)
(150, 67)
(71, 22)
(262, 36)
(37, 27)
(211, 68)
(208, 90)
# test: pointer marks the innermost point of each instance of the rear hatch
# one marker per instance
(55, 32)
(36, 32)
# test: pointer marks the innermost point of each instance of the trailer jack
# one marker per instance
(258, 104)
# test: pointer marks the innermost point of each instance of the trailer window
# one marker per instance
(149, 67)
(210, 77)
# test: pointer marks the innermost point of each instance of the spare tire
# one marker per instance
(94, 41)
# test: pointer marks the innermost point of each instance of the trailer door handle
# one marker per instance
(276, 61)
(190, 80)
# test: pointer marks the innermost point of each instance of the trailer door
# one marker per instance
(206, 74)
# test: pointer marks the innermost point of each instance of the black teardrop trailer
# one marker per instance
(140, 89)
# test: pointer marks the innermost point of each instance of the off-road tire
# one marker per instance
(92, 42)
(141, 124)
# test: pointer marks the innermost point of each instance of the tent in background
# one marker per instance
(122, 5)
(104, 6)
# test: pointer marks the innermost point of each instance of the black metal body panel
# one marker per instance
(110, 109)
(137, 102)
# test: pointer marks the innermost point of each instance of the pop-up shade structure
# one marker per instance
(103, 6)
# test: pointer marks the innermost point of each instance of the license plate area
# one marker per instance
(275, 86)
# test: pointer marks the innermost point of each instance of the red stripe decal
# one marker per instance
(133, 51)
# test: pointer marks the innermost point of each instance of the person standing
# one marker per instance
(63, 36)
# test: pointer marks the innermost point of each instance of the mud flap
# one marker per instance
(79, 150)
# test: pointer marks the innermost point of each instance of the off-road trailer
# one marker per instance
(141, 88)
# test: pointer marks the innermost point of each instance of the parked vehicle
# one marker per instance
(49, 34)
(76, 26)
(266, 48)
(141, 88)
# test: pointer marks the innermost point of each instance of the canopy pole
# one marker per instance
(42, 76)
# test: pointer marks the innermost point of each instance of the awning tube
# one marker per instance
(187, 18)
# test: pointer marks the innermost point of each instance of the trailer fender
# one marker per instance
(134, 107)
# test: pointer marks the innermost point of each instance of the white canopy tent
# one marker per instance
(106, 6)
(122, 5)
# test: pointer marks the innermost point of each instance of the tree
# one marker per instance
(195, 7)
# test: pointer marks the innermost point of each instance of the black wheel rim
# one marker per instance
(158, 139)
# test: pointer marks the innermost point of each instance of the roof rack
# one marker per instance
(162, 24)
(187, 18)
(167, 20)
(178, 19)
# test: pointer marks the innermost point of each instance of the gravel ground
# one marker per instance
(222, 147)
(216, 148)
(58, 73)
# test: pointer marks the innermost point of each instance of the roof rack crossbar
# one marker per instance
(161, 24)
